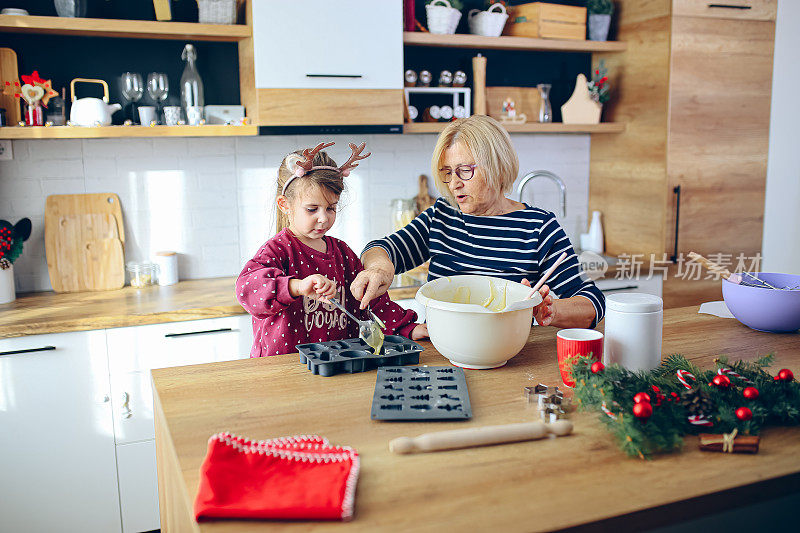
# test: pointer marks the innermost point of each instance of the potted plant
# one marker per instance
(598, 87)
(600, 12)
(11, 239)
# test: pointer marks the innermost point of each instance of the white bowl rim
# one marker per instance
(427, 301)
(579, 334)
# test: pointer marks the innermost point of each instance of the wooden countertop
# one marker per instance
(49, 312)
(580, 480)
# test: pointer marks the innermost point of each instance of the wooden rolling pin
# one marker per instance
(479, 436)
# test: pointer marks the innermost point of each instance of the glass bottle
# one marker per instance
(545, 110)
(56, 111)
(191, 87)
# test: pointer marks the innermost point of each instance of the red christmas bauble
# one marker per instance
(641, 397)
(751, 393)
(659, 397)
(643, 410)
(596, 367)
(785, 375)
(721, 381)
(744, 413)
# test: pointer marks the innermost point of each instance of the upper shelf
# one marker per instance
(528, 127)
(140, 29)
(461, 40)
(100, 132)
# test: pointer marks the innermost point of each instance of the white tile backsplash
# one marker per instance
(212, 199)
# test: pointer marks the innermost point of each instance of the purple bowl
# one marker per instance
(765, 309)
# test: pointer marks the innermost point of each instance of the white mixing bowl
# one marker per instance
(470, 335)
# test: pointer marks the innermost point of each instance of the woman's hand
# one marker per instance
(419, 332)
(314, 286)
(544, 313)
(369, 284)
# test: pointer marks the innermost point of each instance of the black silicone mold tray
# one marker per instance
(353, 355)
(421, 393)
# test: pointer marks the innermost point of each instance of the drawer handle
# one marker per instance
(729, 6)
(625, 288)
(29, 350)
(334, 76)
(220, 330)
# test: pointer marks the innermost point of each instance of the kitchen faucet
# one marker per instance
(530, 176)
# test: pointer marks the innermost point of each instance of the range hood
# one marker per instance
(330, 129)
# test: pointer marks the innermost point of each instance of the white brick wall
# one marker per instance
(212, 199)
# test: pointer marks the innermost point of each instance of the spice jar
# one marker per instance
(633, 326)
(167, 267)
(142, 274)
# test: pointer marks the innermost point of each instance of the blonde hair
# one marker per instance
(490, 145)
(328, 180)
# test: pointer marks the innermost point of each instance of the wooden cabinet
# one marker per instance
(317, 62)
(694, 87)
(57, 454)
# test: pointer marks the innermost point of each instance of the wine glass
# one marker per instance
(132, 90)
(158, 88)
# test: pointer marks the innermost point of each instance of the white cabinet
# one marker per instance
(138, 486)
(132, 353)
(57, 455)
(328, 44)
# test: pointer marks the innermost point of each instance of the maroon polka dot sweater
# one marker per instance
(280, 322)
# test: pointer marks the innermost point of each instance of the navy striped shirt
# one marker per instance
(513, 246)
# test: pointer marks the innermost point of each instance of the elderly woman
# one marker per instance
(475, 229)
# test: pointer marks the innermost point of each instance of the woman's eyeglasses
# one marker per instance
(464, 173)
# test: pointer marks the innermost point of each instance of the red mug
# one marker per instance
(573, 343)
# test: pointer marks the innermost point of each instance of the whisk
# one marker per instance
(752, 281)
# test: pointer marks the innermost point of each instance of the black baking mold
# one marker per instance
(421, 393)
(353, 355)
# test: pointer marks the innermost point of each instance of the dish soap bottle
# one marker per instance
(191, 88)
(593, 241)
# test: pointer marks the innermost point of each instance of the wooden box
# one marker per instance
(546, 21)
(526, 100)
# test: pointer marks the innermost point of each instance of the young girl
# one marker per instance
(286, 285)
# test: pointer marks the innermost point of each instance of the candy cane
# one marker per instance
(607, 411)
(731, 373)
(700, 420)
(682, 375)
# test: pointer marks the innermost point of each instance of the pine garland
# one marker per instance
(611, 391)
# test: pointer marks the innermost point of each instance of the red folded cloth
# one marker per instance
(293, 478)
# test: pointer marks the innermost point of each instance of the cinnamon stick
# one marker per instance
(710, 442)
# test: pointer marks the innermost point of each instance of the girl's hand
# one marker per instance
(315, 286)
(369, 284)
(544, 312)
(419, 332)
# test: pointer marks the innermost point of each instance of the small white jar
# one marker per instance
(633, 327)
(167, 267)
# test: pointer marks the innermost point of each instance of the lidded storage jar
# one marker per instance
(633, 326)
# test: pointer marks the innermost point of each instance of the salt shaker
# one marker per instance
(633, 326)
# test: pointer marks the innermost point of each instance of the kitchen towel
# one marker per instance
(715, 308)
(288, 478)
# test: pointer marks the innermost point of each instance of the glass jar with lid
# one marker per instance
(403, 212)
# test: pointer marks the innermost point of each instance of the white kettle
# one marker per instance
(91, 111)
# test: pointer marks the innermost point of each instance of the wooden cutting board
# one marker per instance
(9, 72)
(84, 242)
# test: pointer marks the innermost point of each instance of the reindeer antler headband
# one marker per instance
(305, 164)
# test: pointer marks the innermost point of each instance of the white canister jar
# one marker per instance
(167, 267)
(633, 327)
(7, 292)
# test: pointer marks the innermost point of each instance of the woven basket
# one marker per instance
(442, 18)
(216, 11)
(489, 23)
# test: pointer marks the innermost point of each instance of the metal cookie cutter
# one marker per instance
(549, 401)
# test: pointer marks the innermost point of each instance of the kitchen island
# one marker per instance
(580, 480)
